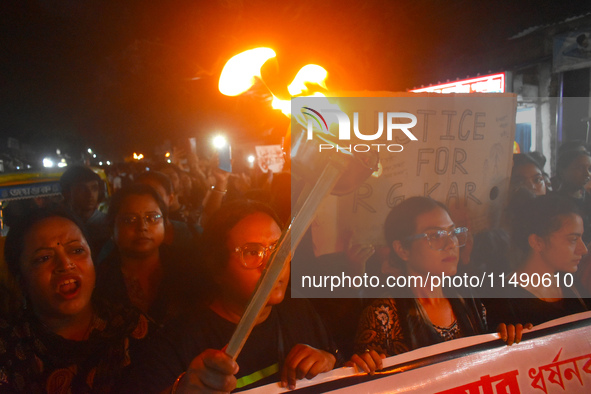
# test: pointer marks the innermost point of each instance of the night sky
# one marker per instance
(123, 76)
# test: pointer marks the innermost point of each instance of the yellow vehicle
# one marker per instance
(34, 185)
(22, 186)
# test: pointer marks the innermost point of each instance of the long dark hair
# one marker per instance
(541, 216)
(119, 321)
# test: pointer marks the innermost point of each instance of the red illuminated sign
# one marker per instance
(494, 83)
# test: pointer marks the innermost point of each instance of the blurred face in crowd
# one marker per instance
(563, 249)
(83, 198)
(174, 178)
(56, 269)
(186, 184)
(578, 173)
(239, 281)
(436, 256)
(530, 177)
(139, 226)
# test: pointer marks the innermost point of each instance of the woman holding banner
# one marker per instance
(423, 241)
(288, 342)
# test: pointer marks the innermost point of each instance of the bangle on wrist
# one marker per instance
(213, 189)
(177, 382)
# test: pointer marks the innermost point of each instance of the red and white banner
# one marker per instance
(552, 358)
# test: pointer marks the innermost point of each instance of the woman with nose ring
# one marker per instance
(424, 241)
(65, 339)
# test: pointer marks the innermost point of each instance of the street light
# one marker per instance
(219, 141)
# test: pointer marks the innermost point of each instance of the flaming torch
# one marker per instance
(239, 74)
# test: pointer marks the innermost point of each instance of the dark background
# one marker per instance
(123, 76)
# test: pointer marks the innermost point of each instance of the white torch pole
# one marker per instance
(294, 233)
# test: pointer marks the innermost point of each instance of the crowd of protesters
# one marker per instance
(144, 296)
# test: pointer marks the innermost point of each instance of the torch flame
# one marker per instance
(282, 105)
(238, 75)
(310, 73)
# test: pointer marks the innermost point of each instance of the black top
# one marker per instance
(35, 360)
(167, 355)
(174, 292)
(520, 307)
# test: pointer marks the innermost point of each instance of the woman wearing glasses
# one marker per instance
(423, 241)
(288, 342)
(141, 270)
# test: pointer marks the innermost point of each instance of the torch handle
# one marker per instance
(300, 223)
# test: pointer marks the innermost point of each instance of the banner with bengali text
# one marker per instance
(553, 358)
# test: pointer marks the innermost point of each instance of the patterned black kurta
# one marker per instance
(35, 360)
(393, 326)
